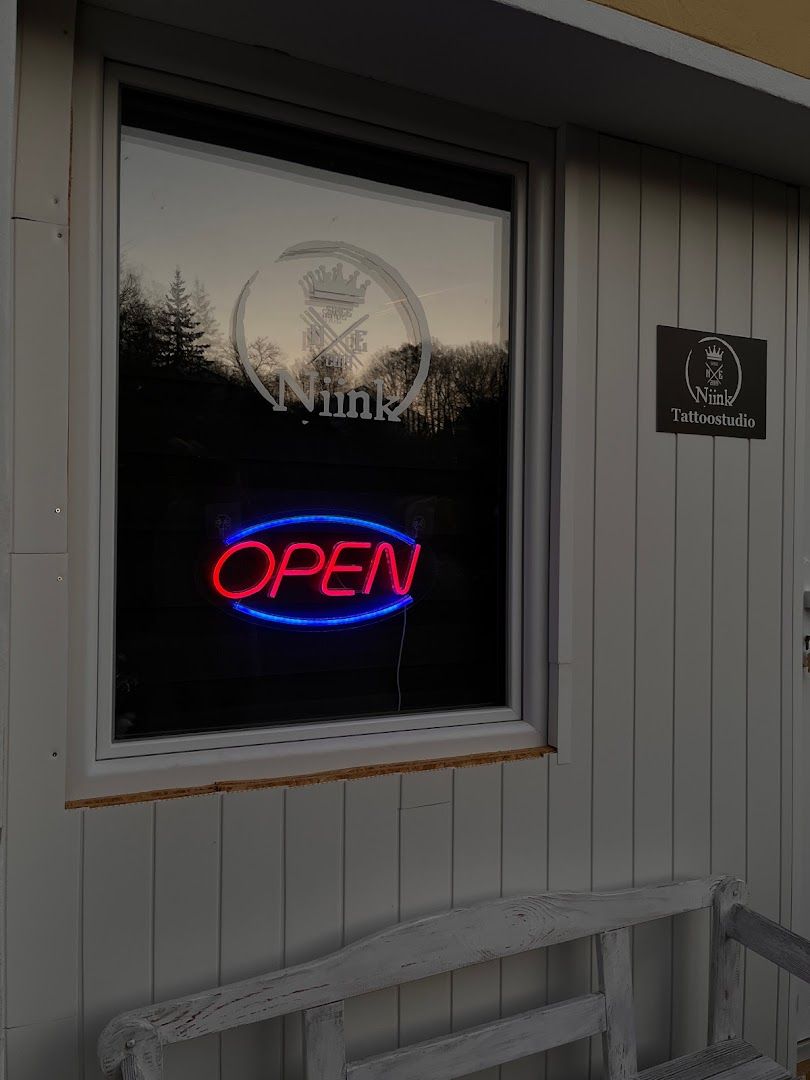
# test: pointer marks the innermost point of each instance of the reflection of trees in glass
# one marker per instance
(461, 378)
(264, 355)
(211, 338)
(137, 322)
(178, 331)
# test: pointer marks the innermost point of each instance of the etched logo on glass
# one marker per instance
(333, 377)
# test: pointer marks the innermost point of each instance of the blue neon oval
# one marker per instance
(325, 622)
(319, 519)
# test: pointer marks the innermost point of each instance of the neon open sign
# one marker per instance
(317, 571)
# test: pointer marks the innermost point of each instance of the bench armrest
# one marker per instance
(782, 947)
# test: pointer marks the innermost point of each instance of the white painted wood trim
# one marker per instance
(799, 994)
(8, 83)
(574, 171)
(97, 766)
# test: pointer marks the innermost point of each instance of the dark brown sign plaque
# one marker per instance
(711, 384)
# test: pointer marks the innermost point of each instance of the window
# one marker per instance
(316, 403)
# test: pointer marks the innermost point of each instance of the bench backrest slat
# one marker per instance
(488, 1045)
(781, 946)
(400, 954)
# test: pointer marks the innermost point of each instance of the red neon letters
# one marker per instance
(240, 594)
(310, 560)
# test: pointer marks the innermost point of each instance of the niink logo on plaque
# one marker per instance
(711, 384)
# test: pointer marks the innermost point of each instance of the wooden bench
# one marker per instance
(130, 1047)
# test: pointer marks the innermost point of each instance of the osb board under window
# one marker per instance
(775, 33)
(361, 772)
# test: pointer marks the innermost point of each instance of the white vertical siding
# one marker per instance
(425, 886)
(187, 917)
(371, 902)
(569, 822)
(654, 603)
(763, 873)
(694, 495)
(313, 889)
(252, 919)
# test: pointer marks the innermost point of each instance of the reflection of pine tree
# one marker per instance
(203, 310)
(179, 330)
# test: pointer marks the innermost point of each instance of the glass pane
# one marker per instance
(313, 413)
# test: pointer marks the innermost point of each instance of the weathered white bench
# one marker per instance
(130, 1047)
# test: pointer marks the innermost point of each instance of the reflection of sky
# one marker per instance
(222, 215)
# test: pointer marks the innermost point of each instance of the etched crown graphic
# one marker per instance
(331, 287)
(714, 352)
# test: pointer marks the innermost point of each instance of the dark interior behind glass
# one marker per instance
(202, 455)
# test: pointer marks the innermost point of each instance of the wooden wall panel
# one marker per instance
(476, 991)
(426, 887)
(313, 894)
(252, 920)
(792, 1021)
(615, 514)
(40, 387)
(693, 621)
(765, 606)
(569, 802)
(371, 902)
(731, 480)
(614, 521)
(730, 554)
(117, 926)
(524, 870)
(43, 853)
(187, 918)
(654, 603)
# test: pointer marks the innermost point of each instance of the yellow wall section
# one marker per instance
(776, 32)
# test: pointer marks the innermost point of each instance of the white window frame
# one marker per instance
(98, 766)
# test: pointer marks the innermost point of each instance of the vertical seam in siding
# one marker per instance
(748, 578)
(640, 178)
(786, 643)
(594, 536)
(675, 620)
(714, 540)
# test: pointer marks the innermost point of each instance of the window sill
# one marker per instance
(110, 783)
